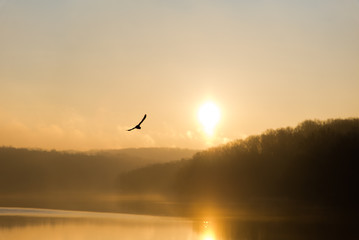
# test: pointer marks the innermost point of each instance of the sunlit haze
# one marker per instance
(77, 74)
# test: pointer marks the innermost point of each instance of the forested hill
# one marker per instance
(33, 171)
(315, 163)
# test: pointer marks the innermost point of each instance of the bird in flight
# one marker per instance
(138, 126)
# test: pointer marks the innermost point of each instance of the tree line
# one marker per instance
(34, 170)
(313, 164)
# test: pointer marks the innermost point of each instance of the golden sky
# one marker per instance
(76, 74)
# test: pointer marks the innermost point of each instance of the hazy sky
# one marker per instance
(75, 74)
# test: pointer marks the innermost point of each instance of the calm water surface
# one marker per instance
(42, 224)
(21, 223)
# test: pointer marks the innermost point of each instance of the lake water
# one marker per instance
(42, 224)
(39, 224)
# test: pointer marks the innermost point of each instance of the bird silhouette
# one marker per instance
(138, 126)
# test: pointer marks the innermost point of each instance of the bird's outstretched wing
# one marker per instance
(138, 125)
(131, 129)
(143, 119)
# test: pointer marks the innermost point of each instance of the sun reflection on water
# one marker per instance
(208, 236)
(207, 231)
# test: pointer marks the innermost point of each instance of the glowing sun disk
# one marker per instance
(209, 115)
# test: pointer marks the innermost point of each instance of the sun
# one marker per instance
(209, 115)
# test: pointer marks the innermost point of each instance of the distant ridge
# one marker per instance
(38, 170)
(167, 154)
